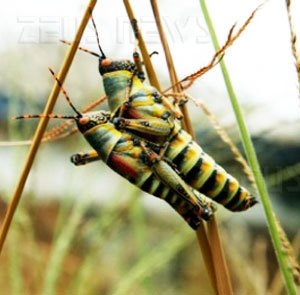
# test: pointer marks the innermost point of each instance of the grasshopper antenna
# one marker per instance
(97, 35)
(65, 93)
(50, 116)
(82, 48)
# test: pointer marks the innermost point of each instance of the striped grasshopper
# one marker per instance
(141, 110)
(134, 160)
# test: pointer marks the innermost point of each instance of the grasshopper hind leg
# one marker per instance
(188, 199)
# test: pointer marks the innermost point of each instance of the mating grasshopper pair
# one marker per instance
(142, 140)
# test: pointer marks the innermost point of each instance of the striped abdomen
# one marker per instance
(201, 172)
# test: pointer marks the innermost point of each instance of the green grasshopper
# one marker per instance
(133, 160)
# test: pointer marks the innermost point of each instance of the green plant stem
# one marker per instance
(252, 158)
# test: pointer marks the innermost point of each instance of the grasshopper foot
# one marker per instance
(77, 159)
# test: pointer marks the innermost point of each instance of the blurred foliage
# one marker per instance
(88, 248)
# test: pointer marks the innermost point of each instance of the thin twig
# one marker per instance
(146, 58)
(231, 38)
(43, 124)
(172, 72)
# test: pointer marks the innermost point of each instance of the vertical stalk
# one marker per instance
(172, 72)
(142, 45)
(210, 241)
(43, 124)
(252, 158)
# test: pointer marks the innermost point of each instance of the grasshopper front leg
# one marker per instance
(150, 129)
(85, 158)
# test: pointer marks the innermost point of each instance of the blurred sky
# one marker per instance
(260, 62)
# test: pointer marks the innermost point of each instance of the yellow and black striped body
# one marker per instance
(201, 172)
(196, 168)
(122, 152)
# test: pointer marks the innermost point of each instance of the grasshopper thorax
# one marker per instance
(89, 120)
(107, 65)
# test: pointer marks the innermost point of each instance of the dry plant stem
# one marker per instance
(146, 58)
(231, 38)
(42, 125)
(293, 42)
(223, 281)
(282, 256)
(211, 247)
(204, 245)
(187, 125)
(154, 81)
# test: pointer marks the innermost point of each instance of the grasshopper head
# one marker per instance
(89, 120)
(107, 65)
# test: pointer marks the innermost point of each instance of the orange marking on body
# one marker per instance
(106, 62)
(84, 120)
(132, 113)
(122, 166)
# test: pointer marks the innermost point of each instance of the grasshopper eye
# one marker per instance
(84, 120)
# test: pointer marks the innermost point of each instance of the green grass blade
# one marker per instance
(253, 162)
(61, 247)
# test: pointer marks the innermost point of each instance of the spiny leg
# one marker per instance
(149, 129)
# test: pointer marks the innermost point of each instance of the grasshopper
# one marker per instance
(133, 160)
(144, 112)
(141, 110)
